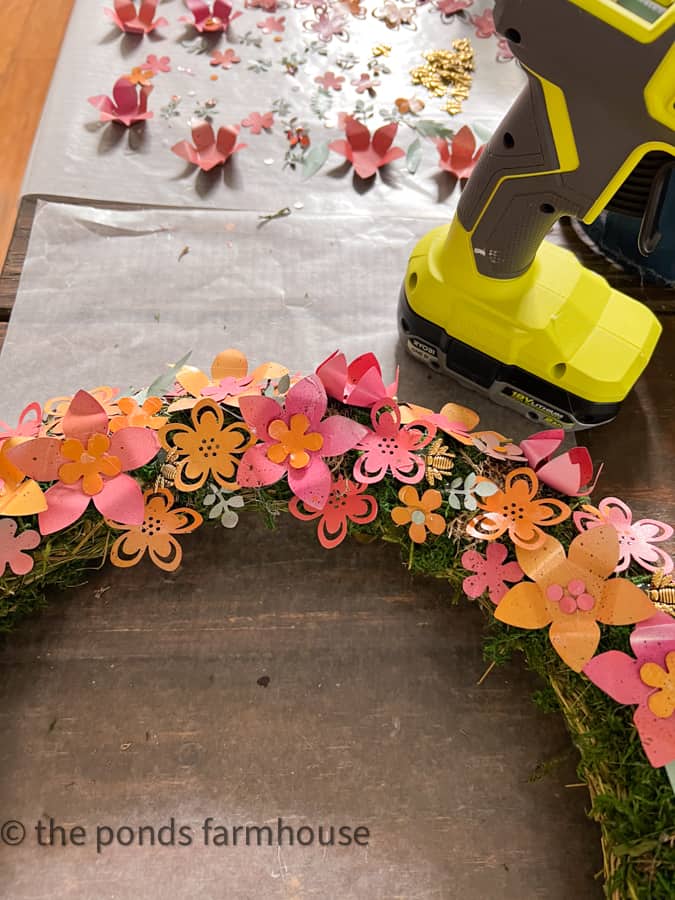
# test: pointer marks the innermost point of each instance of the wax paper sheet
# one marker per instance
(76, 156)
(112, 295)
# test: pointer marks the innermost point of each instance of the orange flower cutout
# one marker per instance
(19, 496)
(515, 510)
(419, 513)
(574, 593)
(156, 534)
(455, 420)
(56, 408)
(293, 441)
(229, 370)
(135, 416)
(661, 702)
(207, 448)
(89, 464)
(139, 75)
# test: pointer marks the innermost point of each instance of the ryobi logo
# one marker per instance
(421, 350)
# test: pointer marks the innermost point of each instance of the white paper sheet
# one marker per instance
(106, 299)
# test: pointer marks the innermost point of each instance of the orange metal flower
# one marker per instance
(661, 702)
(156, 534)
(134, 416)
(455, 420)
(572, 593)
(515, 510)
(89, 464)
(294, 442)
(19, 496)
(207, 448)
(139, 75)
(419, 513)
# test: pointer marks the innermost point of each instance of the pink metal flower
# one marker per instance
(126, 106)
(569, 473)
(13, 547)
(357, 384)
(157, 64)
(365, 83)
(88, 465)
(491, 572)
(218, 18)
(125, 17)
(294, 440)
(484, 24)
(459, 157)
(636, 539)
(28, 425)
(330, 81)
(390, 447)
(256, 122)
(209, 151)
(228, 388)
(367, 154)
(648, 681)
(273, 25)
(346, 502)
(326, 27)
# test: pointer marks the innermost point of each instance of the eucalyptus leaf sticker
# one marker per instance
(314, 159)
(162, 383)
(466, 493)
(414, 156)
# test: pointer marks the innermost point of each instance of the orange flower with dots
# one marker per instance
(206, 449)
(515, 510)
(419, 513)
(156, 535)
(134, 416)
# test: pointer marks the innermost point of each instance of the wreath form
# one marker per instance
(98, 477)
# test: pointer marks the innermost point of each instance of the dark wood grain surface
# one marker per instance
(268, 678)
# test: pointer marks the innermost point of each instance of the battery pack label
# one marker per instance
(422, 350)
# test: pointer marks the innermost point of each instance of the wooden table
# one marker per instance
(282, 682)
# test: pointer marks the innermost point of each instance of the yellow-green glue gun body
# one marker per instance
(487, 299)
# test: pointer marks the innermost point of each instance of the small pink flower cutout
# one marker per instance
(225, 60)
(157, 64)
(636, 539)
(365, 83)
(273, 25)
(484, 24)
(330, 81)
(256, 122)
(571, 597)
(326, 27)
(13, 547)
(390, 447)
(491, 572)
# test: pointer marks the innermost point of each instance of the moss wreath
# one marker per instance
(99, 477)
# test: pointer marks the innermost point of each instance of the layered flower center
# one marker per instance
(661, 702)
(294, 441)
(89, 464)
(418, 517)
(572, 597)
(213, 23)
